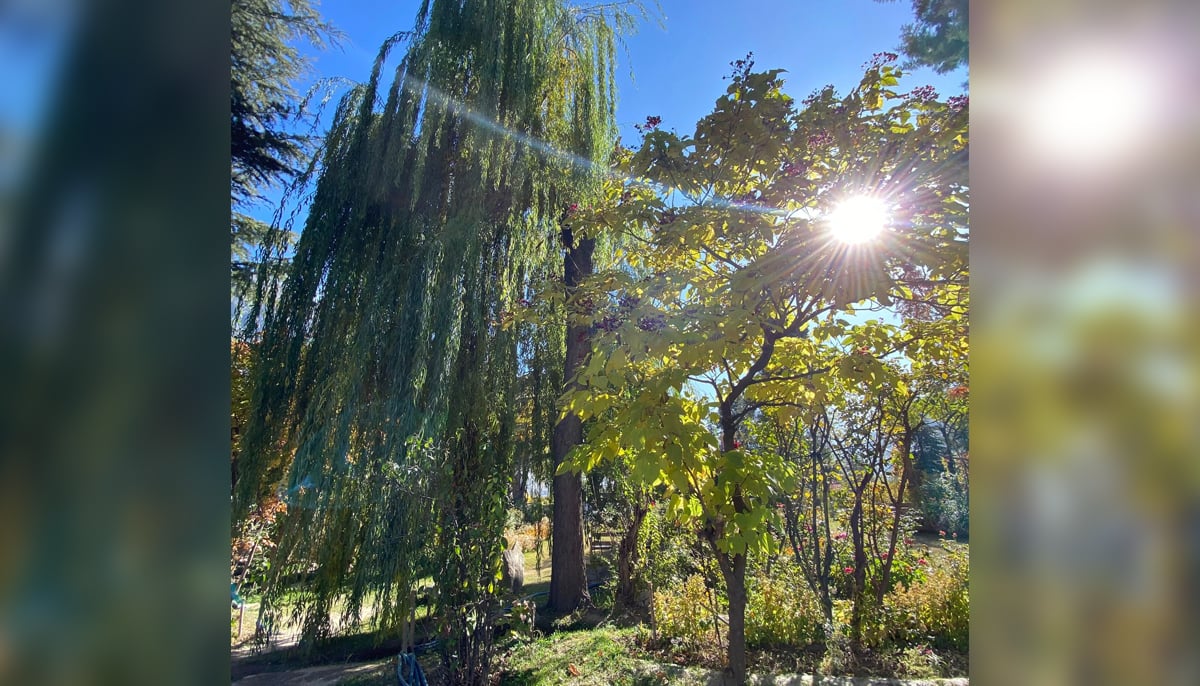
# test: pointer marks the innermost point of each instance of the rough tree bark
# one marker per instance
(517, 489)
(627, 559)
(568, 576)
(859, 589)
(733, 567)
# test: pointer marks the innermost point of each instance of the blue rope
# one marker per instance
(415, 673)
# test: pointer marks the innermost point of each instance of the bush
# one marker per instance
(945, 504)
(781, 610)
(936, 610)
(514, 520)
(683, 614)
(535, 509)
(667, 551)
(904, 570)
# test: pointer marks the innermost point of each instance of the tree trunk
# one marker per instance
(568, 577)
(733, 568)
(520, 479)
(908, 469)
(627, 558)
(858, 591)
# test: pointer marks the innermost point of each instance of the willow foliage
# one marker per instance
(385, 395)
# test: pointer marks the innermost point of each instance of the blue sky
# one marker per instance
(675, 71)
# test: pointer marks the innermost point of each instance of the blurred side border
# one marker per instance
(1085, 377)
(114, 515)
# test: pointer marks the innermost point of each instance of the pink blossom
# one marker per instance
(924, 93)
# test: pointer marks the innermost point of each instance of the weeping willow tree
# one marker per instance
(384, 401)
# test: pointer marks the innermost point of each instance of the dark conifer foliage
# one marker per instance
(269, 144)
(264, 67)
(940, 36)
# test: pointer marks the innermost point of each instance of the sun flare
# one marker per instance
(858, 219)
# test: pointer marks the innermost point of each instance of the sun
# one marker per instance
(1093, 106)
(858, 219)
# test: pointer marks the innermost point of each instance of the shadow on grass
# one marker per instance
(361, 647)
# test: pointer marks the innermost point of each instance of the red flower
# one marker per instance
(942, 533)
(848, 570)
(922, 562)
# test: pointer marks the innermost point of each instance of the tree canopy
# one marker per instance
(940, 36)
(267, 142)
(264, 67)
(384, 371)
(738, 296)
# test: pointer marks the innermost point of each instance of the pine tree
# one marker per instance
(264, 110)
(940, 36)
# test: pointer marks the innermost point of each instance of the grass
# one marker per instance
(537, 580)
(579, 652)
(609, 655)
(590, 658)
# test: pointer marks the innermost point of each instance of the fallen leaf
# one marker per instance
(572, 669)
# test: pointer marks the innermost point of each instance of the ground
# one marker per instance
(329, 675)
(581, 658)
(582, 650)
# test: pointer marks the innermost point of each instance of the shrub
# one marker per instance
(945, 504)
(683, 614)
(936, 609)
(667, 551)
(514, 520)
(781, 610)
(904, 570)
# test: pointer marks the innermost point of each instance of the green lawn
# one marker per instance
(597, 657)
(537, 580)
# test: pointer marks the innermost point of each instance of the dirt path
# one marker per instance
(326, 675)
